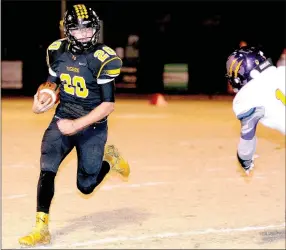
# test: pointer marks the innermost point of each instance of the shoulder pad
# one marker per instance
(111, 67)
(104, 53)
(55, 49)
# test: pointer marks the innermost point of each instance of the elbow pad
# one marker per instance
(108, 91)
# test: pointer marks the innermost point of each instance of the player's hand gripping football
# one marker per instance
(67, 127)
(39, 106)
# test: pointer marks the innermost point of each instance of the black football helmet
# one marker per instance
(79, 17)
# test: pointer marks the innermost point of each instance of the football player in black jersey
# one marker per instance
(85, 72)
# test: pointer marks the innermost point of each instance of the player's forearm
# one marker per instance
(247, 143)
(245, 153)
(101, 111)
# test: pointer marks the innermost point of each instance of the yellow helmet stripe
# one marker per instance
(230, 67)
(81, 11)
(237, 68)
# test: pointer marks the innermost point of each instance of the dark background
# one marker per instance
(201, 34)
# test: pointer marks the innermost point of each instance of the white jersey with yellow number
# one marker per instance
(267, 90)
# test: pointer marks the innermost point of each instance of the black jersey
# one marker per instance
(81, 77)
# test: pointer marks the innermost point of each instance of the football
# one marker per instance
(49, 90)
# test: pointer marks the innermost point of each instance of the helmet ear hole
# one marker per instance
(237, 80)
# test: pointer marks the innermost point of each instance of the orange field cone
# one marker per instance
(158, 100)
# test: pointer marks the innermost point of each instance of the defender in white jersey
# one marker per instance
(260, 88)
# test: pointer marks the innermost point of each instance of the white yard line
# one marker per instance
(163, 235)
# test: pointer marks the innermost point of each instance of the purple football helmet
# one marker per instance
(240, 63)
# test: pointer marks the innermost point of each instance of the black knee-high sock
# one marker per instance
(103, 171)
(45, 192)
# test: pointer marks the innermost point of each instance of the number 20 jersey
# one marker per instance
(267, 90)
(81, 76)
